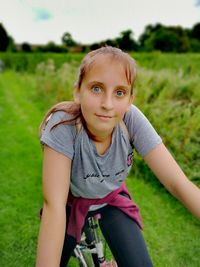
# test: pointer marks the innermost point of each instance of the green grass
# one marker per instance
(19, 172)
(171, 232)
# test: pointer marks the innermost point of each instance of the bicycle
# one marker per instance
(91, 250)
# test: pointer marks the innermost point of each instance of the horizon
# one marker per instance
(41, 22)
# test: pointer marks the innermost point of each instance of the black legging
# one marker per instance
(123, 236)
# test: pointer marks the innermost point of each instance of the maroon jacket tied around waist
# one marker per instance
(80, 207)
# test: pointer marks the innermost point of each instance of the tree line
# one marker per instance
(156, 37)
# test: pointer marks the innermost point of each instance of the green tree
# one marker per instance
(194, 45)
(149, 30)
(183, 44)
(194, 37)
(68, 40)
(195, 32)
(4, 38)
(126, 41)
(95, 46)
(26, 47)
(52, 47)
(164, 38)
(11, 47)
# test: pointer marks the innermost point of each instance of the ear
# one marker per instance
(76, 95)
(130, 102)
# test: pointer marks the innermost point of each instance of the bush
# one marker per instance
(28, 61)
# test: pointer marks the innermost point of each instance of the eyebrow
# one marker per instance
(96, 82)
(102, 84)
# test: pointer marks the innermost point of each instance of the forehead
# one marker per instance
(103, 59)
(105, 64)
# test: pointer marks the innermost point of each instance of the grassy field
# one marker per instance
(167, 90)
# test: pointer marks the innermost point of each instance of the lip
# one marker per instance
(104, 117)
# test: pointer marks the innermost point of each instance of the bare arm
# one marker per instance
(56, 177)
(172, 177)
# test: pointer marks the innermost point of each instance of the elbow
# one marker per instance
(53, 207)
(53, 213)
(54, 201)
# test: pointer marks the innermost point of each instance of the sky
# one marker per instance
(89, 21)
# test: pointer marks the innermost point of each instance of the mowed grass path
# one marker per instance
(19, 171)
(172, 234)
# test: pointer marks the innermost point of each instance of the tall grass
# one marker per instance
(27, 62)
(167, 94)
(171, 100)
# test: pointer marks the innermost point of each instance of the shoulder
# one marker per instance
(143, 135)
(58, 117)
(59, 136)
(133, 115)
(59, 121)
(58, 125)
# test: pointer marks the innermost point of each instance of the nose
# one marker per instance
(107, 102)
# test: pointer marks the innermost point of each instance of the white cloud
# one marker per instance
(40, 21)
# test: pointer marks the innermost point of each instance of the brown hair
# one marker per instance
(114, 53)
(87, 63)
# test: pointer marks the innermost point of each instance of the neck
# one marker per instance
(103, 139)
(99, 137)
(102, 144)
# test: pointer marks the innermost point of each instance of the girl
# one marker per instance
(88, 148)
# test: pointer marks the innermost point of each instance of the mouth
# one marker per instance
(104, 117)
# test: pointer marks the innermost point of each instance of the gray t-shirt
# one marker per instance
(94, 175)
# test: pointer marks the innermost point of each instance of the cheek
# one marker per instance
(122, 108)
(88, 106)
(88, 103)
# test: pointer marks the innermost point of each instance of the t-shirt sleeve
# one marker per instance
(143, 135)
(61, 138)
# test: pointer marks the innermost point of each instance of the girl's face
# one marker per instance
(104, 96)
